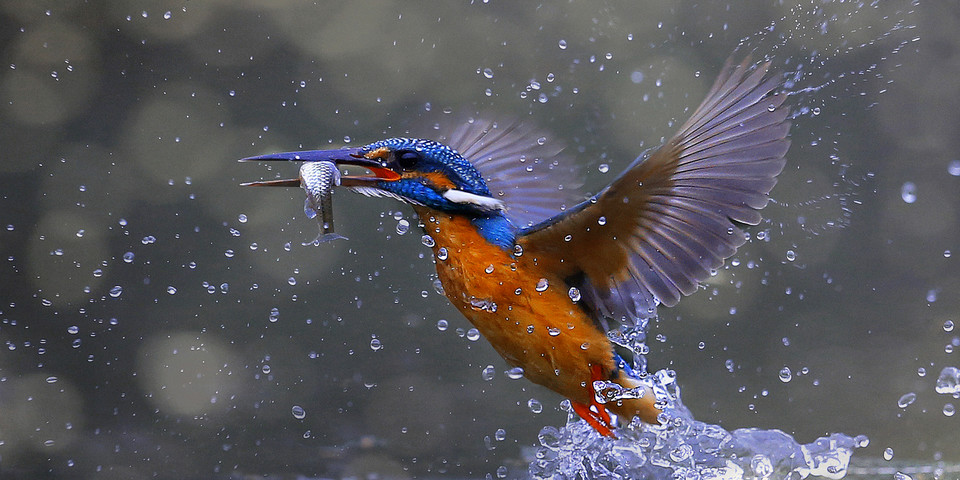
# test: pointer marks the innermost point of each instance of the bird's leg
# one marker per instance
(599, 419)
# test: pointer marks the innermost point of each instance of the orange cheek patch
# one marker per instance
(379, 153)
(439, 180)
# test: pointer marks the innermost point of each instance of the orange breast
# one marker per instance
(525, 313)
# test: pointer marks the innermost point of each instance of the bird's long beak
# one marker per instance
(341, 156)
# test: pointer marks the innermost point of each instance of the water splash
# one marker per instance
(681, 446)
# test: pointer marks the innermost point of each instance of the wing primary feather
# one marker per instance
(673, 215)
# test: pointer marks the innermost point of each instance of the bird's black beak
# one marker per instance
(342, 156)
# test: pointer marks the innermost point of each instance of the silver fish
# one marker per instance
(318, 179)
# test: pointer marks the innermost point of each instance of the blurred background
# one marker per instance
(157, 320)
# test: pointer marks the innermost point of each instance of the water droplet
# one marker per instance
(292, 281)
(298, 412)
(148, 240)
(73, 330)
(948, 383)
(949, 409)
(542, 284)
(553, 331)
(534, 405)
(375, 344)
(888, 454)
(52, 379)
(517, 251)
(442, 325)
(487, 72)
(488, 373)
(500, 435)
(514, 373)
(128, 257)
(948, 326)
(473, 334)
(791, 255)
(574, 294)
(906, 399)
(562, 44)
(427, 241)
(568, 238)
(171, 289)
(602, 220)
(116, 291)
(403, 226)
(442, 253)
(908, 192)
(242, 218)
(265, 369)
(489, 269)
(954, 168)
(785, 374)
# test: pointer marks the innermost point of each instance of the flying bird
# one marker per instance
(542, 282)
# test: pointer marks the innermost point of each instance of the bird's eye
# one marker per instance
(407, 159)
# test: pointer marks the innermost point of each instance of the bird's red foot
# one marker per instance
(599, 419)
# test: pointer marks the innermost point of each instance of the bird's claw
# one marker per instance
(599, 419)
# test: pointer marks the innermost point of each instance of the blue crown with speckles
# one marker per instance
(438, 157)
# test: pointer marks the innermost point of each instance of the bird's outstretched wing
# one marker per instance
(658, 229)
(522, 166)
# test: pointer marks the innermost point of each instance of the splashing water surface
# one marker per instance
(681, 446)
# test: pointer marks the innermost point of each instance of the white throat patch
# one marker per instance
(486, 203)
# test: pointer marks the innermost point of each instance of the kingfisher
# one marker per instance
(542, 279)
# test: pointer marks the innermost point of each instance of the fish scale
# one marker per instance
(319, 179)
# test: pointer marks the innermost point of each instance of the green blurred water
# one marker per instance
(121, 123)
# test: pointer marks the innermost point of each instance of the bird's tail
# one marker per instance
(627, 408)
